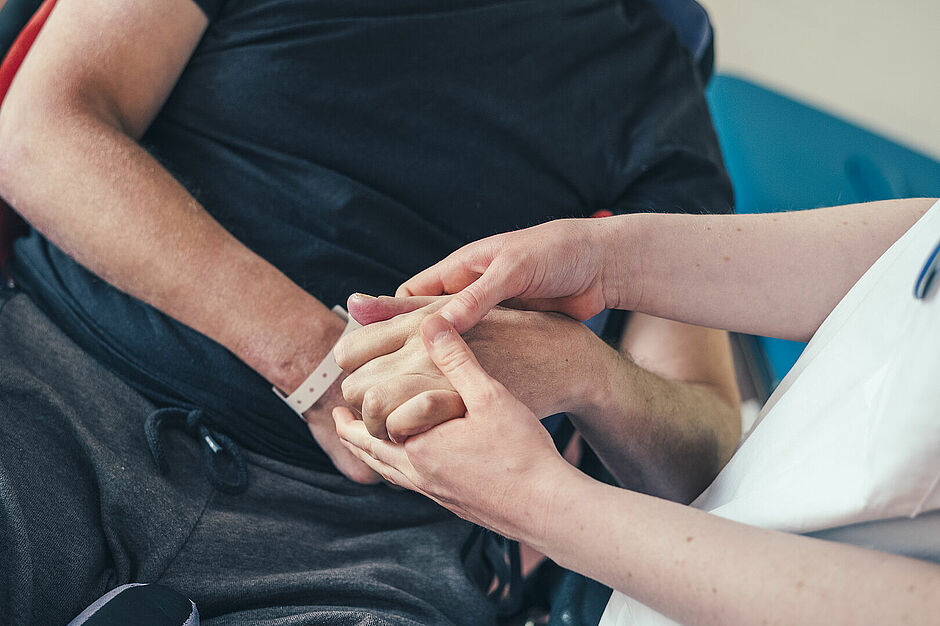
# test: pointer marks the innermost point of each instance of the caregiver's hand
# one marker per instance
(550, 362)
(556, 266)
(487, 466)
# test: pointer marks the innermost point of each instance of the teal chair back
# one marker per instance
(783, 155)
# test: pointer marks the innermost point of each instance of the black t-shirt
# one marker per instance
(352, 143)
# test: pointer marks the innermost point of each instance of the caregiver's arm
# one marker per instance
(701, 569)
(92, 83)
(498, 467)
(777, 274)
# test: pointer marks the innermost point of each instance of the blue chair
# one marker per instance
(783, 155)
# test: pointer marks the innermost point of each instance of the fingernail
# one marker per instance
(363, 296)
(435, 327)
(447, 316)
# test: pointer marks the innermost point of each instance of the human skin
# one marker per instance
(666, 428)
(497, 467)
(94, 80)
(773, 274)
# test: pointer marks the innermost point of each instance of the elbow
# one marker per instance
(21, 130)
(33, 131)
(13, 148)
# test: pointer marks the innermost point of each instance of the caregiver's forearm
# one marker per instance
(698, 568)
(775, 274)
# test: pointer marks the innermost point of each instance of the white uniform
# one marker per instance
(848, 446)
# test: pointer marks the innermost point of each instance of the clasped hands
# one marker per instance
(435, 422)
(457, 418)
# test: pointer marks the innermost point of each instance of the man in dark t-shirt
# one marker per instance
(206, 178)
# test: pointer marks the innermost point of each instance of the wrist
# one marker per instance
(623, 261)
(597, 393)
(550, 499)
(292, 345)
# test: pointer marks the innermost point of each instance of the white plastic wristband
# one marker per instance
(320, 380)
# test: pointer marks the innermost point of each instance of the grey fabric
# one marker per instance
(83, 510)
(915, 537)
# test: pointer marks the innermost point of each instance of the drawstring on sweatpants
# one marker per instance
(215, 447)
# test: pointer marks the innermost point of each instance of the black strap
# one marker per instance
(216, 447)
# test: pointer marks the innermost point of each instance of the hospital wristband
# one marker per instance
(313, 388)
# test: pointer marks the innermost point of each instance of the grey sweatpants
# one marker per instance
(83, 510)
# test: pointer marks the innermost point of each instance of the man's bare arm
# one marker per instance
(69, 163)
(665, 410)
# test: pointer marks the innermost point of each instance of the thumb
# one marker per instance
(470, 305)
(453, 357)
(368, 309)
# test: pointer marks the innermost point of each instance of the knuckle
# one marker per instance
(341, 354)
(373, 402)
(488, 395)
(471, 297)
(350, 391)
(429, 404)
(453, 358)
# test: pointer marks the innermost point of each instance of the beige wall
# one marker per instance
(874, 62)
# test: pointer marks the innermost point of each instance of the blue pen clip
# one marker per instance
(930, 269)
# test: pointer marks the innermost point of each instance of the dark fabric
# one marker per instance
(210, 7)
(13, 16)
(354, 143)
(83, 510)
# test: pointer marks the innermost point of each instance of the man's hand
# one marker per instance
(556, 266)
(320, 423)
(543, 359)
(485, 467)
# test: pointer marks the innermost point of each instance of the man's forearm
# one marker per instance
(662, 437)
(106, 202)
(776, 274)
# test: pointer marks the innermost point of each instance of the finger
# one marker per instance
(368, 309)
(453, 273)
(369, 342)
(469, 306)
(453, 357)
(430, 282)
(384, 397)
(388, 459)
(423, 412)
(579, 308)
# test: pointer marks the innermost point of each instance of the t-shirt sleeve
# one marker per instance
(675, 164)
(210, 7)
